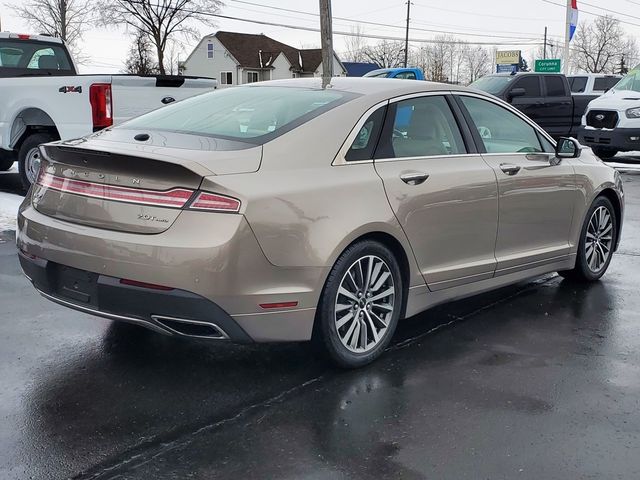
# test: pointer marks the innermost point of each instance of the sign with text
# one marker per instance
(508, 57)
(551, 65)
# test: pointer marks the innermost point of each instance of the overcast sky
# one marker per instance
(512, 24)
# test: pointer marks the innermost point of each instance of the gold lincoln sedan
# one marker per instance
(285, 211)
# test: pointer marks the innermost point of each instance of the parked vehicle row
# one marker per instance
(285, 211)
(43, 98)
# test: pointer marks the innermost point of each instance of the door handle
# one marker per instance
(414, 178)
(509, 168)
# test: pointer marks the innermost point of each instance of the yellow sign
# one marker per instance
(508, 57)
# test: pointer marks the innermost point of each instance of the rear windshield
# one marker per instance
(253, 114)
(30, 57)
(493, 85)
(631, 81)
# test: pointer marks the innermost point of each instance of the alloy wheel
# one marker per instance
(364, 304)
(599, 239)
(32, 164)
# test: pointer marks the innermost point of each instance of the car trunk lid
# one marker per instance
(127, 187)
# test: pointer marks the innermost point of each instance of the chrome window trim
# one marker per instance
(427, 157)
(512, 109)
(340, 158)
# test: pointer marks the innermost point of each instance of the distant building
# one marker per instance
(239, 58)
(359, 69)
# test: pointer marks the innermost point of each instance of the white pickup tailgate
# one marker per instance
(130, 100)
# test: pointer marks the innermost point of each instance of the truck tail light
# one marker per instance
(101, 107)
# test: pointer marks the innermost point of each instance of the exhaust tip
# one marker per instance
(191, 328)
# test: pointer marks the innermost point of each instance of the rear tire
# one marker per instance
(29, 157)
(598, 238)
(604, 153)
(356, 317)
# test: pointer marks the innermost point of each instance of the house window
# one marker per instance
(209, 50)
(252, 77)
(226, 78)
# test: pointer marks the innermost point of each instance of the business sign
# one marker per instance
(508, 57)
(551, 65)
(507, 68)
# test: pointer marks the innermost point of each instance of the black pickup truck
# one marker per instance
(544, 97)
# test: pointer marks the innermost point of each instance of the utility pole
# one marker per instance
(544, 50)
(567, 39)
(326, 38)
(406, 36)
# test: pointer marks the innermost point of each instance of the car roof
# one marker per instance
(367, 86)
(26, 36)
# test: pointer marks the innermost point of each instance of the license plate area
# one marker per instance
(77, 285)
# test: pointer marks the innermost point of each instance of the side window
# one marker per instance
(421, 127)
(578, 84)
(501, 131)
(365, 142)
(531, 85)
(407, 75)
(603, 84)
(555, 86)
(209, 50)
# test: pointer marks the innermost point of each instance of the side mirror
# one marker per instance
(568, 148)
(517, 92)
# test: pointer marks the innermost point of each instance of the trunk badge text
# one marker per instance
(151, 218)
(68, 172)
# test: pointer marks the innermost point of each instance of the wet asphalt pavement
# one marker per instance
(536, 381)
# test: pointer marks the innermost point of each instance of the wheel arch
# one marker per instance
(30, 120)
(611, 195)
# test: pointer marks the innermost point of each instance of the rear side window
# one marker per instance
(501, 130)
(365, 142)
(555, 86)
(531, 85)
(578, 84)
(603, 84)
(253, 114)
(421, 127)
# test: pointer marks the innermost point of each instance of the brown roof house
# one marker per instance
(238, 58)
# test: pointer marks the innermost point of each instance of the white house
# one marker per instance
(237, 58)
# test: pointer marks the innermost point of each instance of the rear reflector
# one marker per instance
(279, 305)
(101, 108)
(152, 286)
(175, 198)
(215, 202)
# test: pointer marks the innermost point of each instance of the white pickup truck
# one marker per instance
(42, 98)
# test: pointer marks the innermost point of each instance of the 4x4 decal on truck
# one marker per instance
(70, 89)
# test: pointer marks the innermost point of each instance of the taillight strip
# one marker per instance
(176, 198)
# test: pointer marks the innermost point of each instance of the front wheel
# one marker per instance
(597, 241)
(29, 157)
(360, 305)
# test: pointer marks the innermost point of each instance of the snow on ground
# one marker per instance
(9, 204)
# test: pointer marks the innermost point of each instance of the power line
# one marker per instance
(590, 13)
(347, 34)
(386, 25)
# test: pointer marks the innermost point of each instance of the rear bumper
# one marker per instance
(213, 263)
(163, 311)
(621, 139)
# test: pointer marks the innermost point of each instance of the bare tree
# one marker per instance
(355, 46)
(160, 20)
(386, 54)
(554, 50)
(140, 60)
(65, 19)
(599, 46)
(440, 60)
(478, 63)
